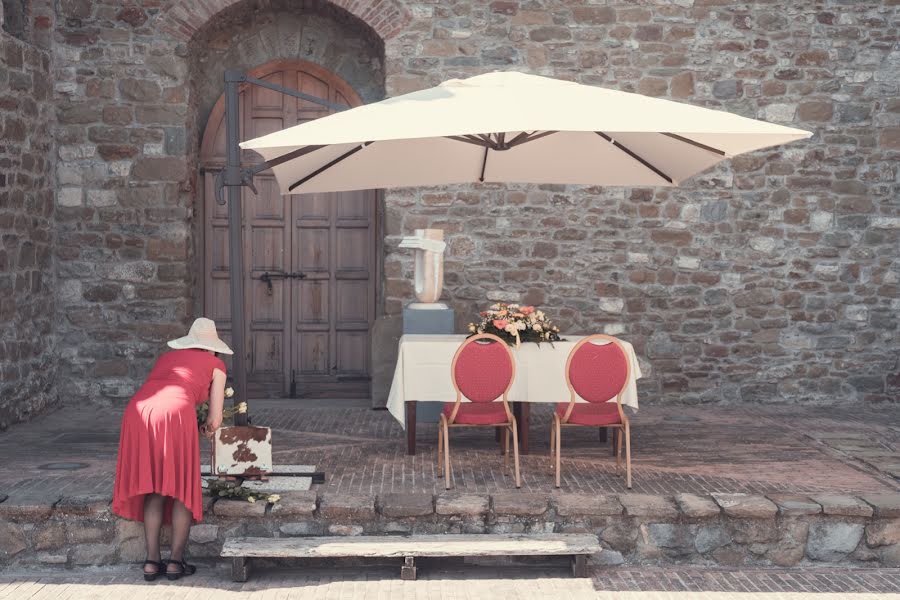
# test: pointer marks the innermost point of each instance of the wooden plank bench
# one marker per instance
(408, 548)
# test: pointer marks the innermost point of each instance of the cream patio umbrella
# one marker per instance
(510, 127)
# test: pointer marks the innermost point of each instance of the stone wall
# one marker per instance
(722, 529)
(26, 219)
(773, 278)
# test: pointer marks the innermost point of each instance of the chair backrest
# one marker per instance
(483, 368)
(598, 372)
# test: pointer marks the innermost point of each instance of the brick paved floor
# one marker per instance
(754, 449)
(479, 583)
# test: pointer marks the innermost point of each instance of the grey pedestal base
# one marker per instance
(428, 321)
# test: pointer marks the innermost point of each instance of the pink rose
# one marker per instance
(527, 310)
(500, 324)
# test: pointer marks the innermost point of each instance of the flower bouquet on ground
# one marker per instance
(515, 324)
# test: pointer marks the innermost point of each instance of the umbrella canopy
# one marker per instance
(510, 127)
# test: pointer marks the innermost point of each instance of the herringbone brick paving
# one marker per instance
(644, 583)
(706, 449)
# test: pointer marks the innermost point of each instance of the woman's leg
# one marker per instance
(153, 518)
(181, 529)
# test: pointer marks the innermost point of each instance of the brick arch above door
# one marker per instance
(310, 260)
(184, 18)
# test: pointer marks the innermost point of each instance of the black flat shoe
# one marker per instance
(185, 570)
(152, 575)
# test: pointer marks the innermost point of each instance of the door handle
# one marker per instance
(268, 277)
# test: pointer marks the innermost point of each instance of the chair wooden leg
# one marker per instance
(515, 441)
(558, 469)
(618, 453)
(446, 456)
(615, 439)
(440, 458)
(504, 446)
(552, 442)
(627, 456)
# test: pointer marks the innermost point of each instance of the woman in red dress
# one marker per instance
(158, 470)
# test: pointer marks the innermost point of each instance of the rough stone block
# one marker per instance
(842, 505)
(579, 505)
(302, 528)
(95, 554)
(519, 504)
(890, 556)
(12, 539)
(746, 506)
(239, 508)
(792, 547)
(790, 505)
(710, 538)
(832, 541)
(336, 529)
(886, 505)
(697, 507)
(673, 536)
(406, 505)
(883, 533)
(204, 533)
(49, 535)
(621, 536)
(646, 505)
(52, 558)
(468, 505)
(80, 532)
(301, 503)
(347, 507)
(83, 505)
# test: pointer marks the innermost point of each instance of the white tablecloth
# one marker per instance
(423, 372)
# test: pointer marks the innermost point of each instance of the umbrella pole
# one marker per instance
(235, 239)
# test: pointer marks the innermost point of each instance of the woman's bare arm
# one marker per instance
(216, 402)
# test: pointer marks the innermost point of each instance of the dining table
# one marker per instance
(422, 374)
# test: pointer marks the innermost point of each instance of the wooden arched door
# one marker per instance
(310, 260)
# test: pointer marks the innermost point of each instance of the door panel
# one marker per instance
(310, 322)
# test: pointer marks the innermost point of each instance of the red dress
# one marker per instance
(159, 448)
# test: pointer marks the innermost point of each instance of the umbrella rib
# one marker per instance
(681, 138)
(325, 167)
(634, 155)
(291, 156)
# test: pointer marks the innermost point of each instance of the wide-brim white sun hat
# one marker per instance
(202, 335)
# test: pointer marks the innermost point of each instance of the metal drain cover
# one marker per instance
(63, 466)
(681, 419)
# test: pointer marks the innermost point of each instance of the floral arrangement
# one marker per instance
(233, 490)
(227, 413)
(515, 324)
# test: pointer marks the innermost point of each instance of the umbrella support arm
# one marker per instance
(232, 178)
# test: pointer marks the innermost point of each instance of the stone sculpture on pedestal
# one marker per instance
(429, 246)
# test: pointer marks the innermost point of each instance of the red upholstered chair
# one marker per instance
(482, 371)
(597, 373)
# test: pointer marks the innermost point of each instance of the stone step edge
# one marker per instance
(338, 506)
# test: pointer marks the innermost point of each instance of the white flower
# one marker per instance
(472, 327)
(521, 326)
(511, 328)
(229, 392)
(537, 327)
